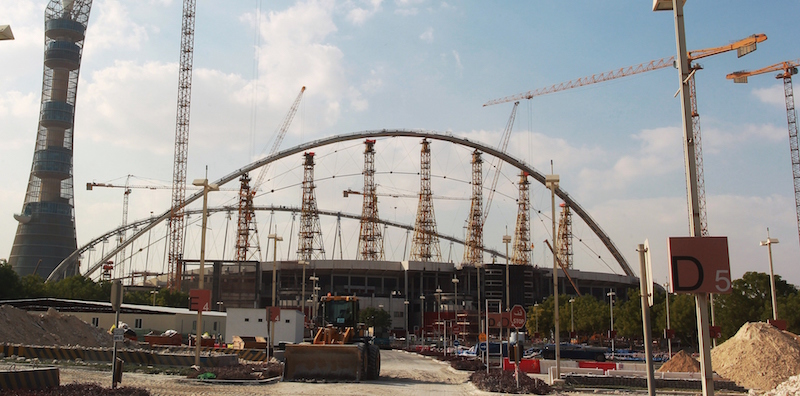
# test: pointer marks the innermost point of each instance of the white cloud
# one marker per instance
(427, 35)
(773, 95)
(113, 27)
(716, 140)
(359, 15)
(457, 58)
(406, 11)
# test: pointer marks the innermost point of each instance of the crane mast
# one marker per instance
(502, 146)
(787, 69)
(176, 220)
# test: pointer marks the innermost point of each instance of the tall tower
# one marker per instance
(370, 241)
(522, 233)
(309, 245)
(246, 230)
(564, 247)
(425, 245)
(46, 231)
(473, 251)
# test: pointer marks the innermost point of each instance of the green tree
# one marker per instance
(750, 300)
(377, 318)
(10, 283)
(172, 298)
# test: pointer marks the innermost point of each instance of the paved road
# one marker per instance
(401, 374)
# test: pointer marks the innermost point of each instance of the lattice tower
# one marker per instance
(370, 241)
(46, 232)
(247, 246)
(473, 251)
(698, 155)
(522, 233)
(309, 240)
(425, 245)
(176, 220)
(565, 252)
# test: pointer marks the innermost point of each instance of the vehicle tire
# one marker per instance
(373, 362)
(363, 371)
(601, 357)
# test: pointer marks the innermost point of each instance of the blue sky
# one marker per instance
(428, 65)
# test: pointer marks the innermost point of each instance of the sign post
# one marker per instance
(518, 319)
(116, 302)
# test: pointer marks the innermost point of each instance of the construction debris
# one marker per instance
(759, 356)
(681, 362)
(50, 328)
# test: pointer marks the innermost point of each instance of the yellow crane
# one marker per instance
(787, 69)
(742, 48)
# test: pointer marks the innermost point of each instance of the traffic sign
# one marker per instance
(518, 317)
(482, 337)
(199, 300)
(482, 346)
(699, 265)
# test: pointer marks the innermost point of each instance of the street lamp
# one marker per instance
(438, 308)
(455, 284)
(507, 240)
(5, 32)
(405, 319)
(536, 314)
(422, 319)
(206, 188)
(551, 182)
(768, 243)
(572, 316)
(611, 334)
(153, 293)
(314, 279)
(303, 288)
(275, 239)
(219, 306)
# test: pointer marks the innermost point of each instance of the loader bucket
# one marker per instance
(324, 362)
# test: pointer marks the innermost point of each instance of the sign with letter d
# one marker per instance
(699, 265)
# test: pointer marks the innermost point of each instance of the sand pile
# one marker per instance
(52, 328)
(681, 362)
(790, 387)
(759, 356)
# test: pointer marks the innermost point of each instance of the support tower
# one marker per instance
(473, 251)
(425, 245)
(564, 248)
(247, 246)
(309, 246)
(522, 233)
(370, 241)
(46, 231)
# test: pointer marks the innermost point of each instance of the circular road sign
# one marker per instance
(518, 317)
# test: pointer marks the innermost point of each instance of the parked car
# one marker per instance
(573, 351)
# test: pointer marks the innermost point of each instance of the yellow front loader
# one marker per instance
(341, 349)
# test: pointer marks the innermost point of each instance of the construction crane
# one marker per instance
(742, 47)
(247, 229)
(787, 70)
(349, 191)
(502, 147)
(176, 219)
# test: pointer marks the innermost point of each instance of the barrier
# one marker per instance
(605, 366)
(37, 378)
(528, 366)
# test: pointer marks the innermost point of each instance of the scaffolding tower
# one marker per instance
(564, 247)
(473, 249)
(522, 234)
(370, 241)
(425, 245)
(247, 246)
(309, 244)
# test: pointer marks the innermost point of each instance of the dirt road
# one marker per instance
(401, 374)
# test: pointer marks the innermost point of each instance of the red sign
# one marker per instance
(497, 320)
(518, 317)
(199, 300)
(274, 314)
(699, 265)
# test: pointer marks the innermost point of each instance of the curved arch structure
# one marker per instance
(446, 137)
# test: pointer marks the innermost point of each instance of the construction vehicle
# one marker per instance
(341, 350)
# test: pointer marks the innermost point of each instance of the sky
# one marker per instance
(429, 65)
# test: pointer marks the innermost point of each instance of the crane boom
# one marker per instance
(502, 147)
(742, 47)
(279, 135)
(788, 69)
(176, 220)
(349, 191)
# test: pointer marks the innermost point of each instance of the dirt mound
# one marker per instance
(51, 328)
(681, 362)
(759, 356)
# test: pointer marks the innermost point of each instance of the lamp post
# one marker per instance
(391, 296)
(438, 309)
(219, 306)
(507, 240)
(303, 288)
(572, 316)
(422, 319)
(275, 238)
(611, 295)
(206, 188)
(314, 279)
(153, 293)
(455, 310)
(405, 319)
(551, 182)
(536, 315)
(768, 243)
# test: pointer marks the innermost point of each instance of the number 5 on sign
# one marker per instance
(699, 265)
